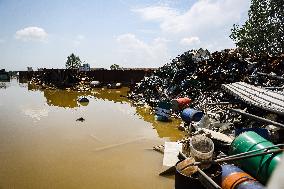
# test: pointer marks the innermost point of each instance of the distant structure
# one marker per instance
(4, 76)
(85, 68)
(30, 69)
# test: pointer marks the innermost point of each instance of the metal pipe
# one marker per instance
(247, 156)
(252, 151)
(261, 119)
(233, 158)
(210, 180)
(272, 76)
(274, 88)
(220, 103)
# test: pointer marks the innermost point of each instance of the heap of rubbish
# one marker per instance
(232, 108)
(207, 82)
(196, 72)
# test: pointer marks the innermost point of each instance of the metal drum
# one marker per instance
(180, 103)
(189, 114)
(163, 111)
(260, 167)
(235, 178)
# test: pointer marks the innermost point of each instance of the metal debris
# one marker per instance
(216, 135)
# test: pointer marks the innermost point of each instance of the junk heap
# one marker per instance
(201, 76)
(233, 99)
(196, 72)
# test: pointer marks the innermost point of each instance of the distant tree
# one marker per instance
(263, 32)
(114, 67)
(73, 62)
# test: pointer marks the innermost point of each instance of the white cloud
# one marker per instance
(2, 40)
(202, 14)
(136, 53)
(210, 20)
(31, 34)
(190, 41)
(36, 114)
(157, 13)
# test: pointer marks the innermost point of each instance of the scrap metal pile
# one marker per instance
(232, 107)
(203, 77)
(196, 72)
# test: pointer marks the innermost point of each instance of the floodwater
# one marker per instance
(43, 146)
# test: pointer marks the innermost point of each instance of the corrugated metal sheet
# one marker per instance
(257, 96)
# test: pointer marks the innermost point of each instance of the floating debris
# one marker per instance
(83, 99)
(80, 119)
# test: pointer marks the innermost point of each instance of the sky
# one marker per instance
(130, 33)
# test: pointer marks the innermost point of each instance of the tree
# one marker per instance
(114, 67)
(73, 62)
(263, 32)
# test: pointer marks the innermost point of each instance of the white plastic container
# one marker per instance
(201, 149)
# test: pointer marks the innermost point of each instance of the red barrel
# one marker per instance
(180, 103)
(235, 178)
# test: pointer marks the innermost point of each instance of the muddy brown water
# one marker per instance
(43, 146)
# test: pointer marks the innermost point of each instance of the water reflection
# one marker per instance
(36, 114)
(68, 98)
(164, 129)
(63, 98)
(114, 95)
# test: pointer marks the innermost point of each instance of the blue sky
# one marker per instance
(131, 33)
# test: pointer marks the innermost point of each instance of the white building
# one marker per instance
(84, 68)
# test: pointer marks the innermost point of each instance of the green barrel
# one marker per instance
(260, 167)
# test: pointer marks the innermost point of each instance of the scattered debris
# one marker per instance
(80, 119)
(95, 84)
(171, 152)
(216, 135)
(189, 76)
(221, 96)
(114, 85)
(83, 99)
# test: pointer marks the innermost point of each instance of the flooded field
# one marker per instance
(43, 146)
